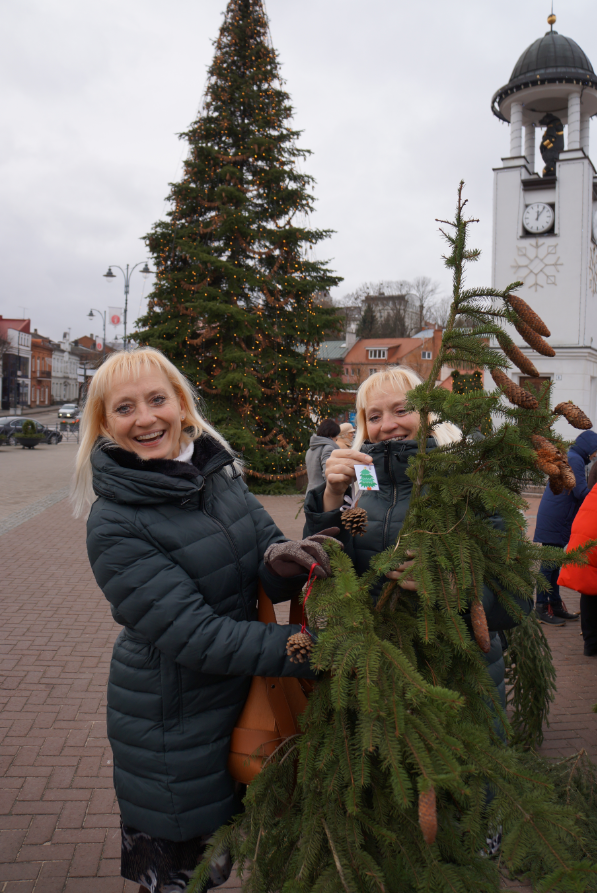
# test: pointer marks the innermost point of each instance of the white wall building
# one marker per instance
(545, 227)
(65, 385)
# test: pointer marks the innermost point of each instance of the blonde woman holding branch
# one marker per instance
(385, 440)
(177, 544)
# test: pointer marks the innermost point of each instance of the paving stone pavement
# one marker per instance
(58, 816)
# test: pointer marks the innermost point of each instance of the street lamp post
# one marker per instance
(103, 315)
(145, 272)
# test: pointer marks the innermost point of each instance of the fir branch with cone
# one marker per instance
(406, 759)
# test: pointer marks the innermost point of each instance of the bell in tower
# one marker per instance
(545, 226)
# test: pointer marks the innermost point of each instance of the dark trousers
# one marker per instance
(551, 574)
(588, 622)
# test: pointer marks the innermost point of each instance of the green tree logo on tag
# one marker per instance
(366, 480)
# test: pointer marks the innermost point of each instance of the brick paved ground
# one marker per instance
(58, 817)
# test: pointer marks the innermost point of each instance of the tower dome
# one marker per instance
(549, 68)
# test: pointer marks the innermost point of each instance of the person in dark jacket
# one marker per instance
(321, 446)
(386, 439)
(177, 544)
(554, 523)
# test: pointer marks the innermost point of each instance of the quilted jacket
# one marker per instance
(177, 550)
(584, 528)
(386, 510)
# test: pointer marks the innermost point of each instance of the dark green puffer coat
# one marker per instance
(177, 550)
(386, 510)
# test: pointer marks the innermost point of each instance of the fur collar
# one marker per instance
(205, 449)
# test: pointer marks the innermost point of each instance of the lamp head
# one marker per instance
(90, 314)
(145, 272)
(109, 275)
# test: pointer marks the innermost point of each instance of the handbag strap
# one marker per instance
(276, 695)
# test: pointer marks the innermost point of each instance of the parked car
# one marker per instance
(12, 425)
(68, 411)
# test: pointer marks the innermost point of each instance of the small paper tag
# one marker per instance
(366, 477)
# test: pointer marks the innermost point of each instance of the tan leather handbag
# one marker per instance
(271, 712)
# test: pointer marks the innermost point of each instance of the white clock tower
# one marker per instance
(544, 224)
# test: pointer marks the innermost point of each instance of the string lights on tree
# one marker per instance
(235, 302)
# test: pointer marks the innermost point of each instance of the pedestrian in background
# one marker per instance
(177, 544)
(321, 447)
(584, 578)
(346, 436)
(554, 523)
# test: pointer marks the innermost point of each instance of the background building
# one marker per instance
(15, 341)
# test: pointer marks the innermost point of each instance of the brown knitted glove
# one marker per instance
(296, 556)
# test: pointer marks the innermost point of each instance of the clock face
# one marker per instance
(538, 217)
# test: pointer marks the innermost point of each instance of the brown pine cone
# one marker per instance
(514, 392)
(298, 648)
(568, 478)
(534, 340)
(543, 445)
(547, 467)
(556, 485)
(428, 816)
(574, 415)
(528, 315)
(480, 630)
(355, 520)
(515, 354)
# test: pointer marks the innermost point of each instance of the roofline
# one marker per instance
(582, 79)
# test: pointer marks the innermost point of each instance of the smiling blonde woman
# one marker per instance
(177, 544)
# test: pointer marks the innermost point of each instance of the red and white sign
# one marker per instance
(99, 344)
(115, 315)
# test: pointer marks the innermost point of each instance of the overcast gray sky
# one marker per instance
(393, 99)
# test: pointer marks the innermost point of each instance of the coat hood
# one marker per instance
(318, 441)
(585, 444)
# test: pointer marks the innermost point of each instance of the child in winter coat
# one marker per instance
(584, 579)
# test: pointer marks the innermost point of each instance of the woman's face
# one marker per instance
(144, 415)
(386, 418)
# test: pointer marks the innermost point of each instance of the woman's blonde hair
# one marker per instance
(128, 365)
(399, 379)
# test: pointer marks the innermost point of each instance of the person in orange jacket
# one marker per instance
(584, 578)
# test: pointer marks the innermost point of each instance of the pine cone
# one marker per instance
(428, 816)
(298, 648)
(514, 392)
(547, 467)
(568, 478)
(515, 354)
(556, 485)
(528, 315)
(574, 415)
(355, 520)
(543, 445)
(479, 622)
(534, 340)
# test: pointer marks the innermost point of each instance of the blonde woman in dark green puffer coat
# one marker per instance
(177, 544)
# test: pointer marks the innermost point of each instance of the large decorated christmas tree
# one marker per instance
(235, 305)
(408, 777)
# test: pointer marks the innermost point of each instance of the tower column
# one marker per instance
(585, 129)
(516, 128)
(574, 121)
(529, 146)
